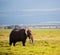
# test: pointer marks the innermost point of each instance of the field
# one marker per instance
(46, 42)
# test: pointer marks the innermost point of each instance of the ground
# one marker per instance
(46, 42)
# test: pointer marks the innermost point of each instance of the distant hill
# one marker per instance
(54, 25)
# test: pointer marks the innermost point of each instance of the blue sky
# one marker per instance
(29, 11)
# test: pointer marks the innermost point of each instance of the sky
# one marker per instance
(29, 11)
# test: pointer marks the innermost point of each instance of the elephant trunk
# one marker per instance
(32, 40)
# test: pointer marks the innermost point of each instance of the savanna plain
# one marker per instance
(46, 42)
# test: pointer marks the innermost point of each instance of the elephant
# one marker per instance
(17, 35)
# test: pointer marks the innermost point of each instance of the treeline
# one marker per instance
(28, 26)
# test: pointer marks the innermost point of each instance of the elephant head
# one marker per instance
(29, 35)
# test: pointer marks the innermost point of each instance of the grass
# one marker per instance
(46, 43)
(40, 48)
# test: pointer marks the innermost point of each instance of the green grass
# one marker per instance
(43, 46)
(40, 48)
(46, 32)
(5, 32)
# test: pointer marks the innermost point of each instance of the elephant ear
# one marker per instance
(26, 31)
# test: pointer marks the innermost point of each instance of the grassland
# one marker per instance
(46, 42)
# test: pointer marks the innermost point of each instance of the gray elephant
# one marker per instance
(20, 35)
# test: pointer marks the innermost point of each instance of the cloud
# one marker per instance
(26, 12)
(32, 10)
(51, 22)
(55, 9)
(18, 15)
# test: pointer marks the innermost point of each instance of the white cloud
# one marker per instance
(55, 9)
(6, 12)
(31, 10)
(52, 22)
(25, 15)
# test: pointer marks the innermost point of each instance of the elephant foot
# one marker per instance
(23, 43)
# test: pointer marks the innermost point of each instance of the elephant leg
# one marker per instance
(14, 43)
(23, 42)
(10, 43)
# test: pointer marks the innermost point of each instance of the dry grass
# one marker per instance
(47, 42)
